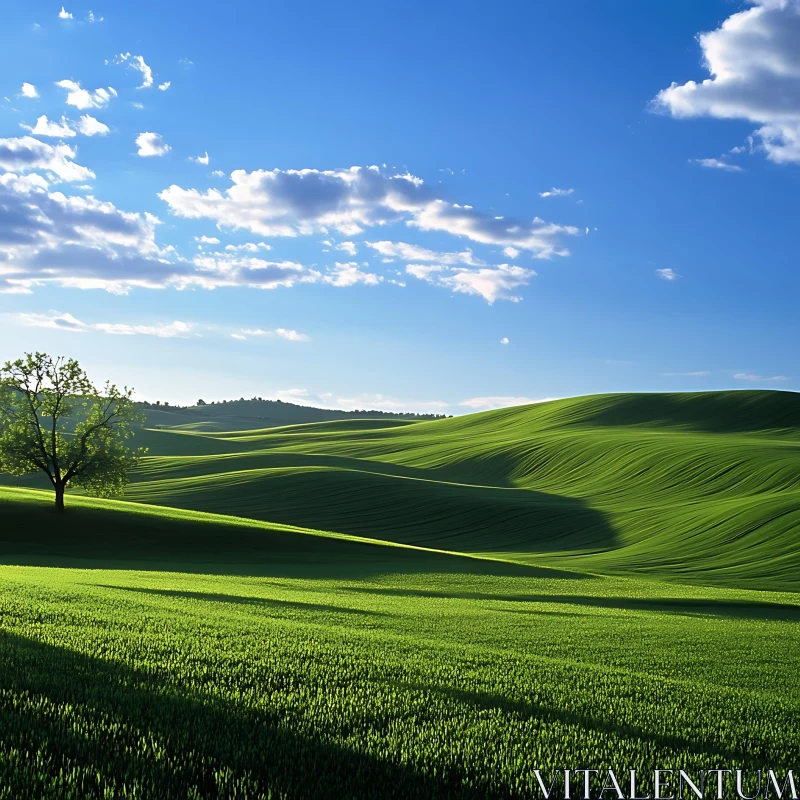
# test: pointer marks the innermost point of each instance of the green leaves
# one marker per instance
(54, 420)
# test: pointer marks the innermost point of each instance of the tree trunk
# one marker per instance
(60, 498)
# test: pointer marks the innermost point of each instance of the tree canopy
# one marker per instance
(54, 420)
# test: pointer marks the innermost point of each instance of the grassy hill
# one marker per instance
(257, 412)
(701, 487)
(373, 608)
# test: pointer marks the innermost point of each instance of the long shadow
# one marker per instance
(92, 728)
(528, 710)
(686, 606)
(32, 534)
(261, 602)
(424, 513)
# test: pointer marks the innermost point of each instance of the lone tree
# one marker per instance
(54, 420)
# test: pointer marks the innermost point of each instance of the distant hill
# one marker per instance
(258, 413)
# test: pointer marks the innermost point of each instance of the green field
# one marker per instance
(403, 609)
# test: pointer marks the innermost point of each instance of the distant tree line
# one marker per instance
(372, 413)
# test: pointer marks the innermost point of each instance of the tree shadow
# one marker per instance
(543, 713)
(93, 728)
(685, 606)
(260, 602)
(106, 538)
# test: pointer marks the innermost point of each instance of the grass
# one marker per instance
(426, 610)
(441, 684)
(698, 487)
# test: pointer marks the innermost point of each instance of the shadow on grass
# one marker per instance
(91, 728)
(542, 713)
(382, 505)
(261, 602)
(740, 609)
(104, 538)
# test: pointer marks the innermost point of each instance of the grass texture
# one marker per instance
(694, 487)
(364, 609)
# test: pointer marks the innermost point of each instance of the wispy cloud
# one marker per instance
(667, 274)
(281, 333)
(716, 163)
(66, 322)
(491, 283)
(752, 378)
(501, 401)
(137, 63)
(554, 192)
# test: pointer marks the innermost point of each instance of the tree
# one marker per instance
(54, 420)
(201, 402)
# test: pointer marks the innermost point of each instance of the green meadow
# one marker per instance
(410, 609)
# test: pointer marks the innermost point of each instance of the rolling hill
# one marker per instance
(703, 487)
(700, 487)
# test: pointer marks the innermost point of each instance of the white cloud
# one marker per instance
(490, 283)
(137, 63)
(347, 247)
(716, 163)
(226, 269)
(425, 272)
(66, 322)
(556, 192)
(24, 154)
(56, 130)
(200, 159)
(282, 333)
(350, 274)
(753, 60)
(504, 340)
(218, 173)
(64, 14)
(83, 98)
(51, 238)
(92, 18)
(748, 376)
(29, 90)
(510, 252)
(667, 274)
(151, 144)
(89, 126)
(412, 252)
(162, 87)
(698, 374)
(248, 247)
(206, 239)
(137, 105)
(303, 202)
(382, 402)
(486, 403)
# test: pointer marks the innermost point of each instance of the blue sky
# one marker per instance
(548, 199)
